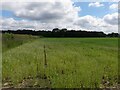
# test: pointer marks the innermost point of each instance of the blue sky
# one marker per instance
(81, 15)
(8, 14)
(94, 11)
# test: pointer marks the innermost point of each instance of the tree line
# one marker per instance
(56, 32)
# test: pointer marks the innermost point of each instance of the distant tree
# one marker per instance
(55, 30)
(63, 30)
(113, 35)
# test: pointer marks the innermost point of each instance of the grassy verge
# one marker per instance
(13, 40)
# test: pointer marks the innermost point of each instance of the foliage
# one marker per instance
(56, 32)
(8, 36)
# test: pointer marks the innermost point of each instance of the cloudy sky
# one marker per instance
(90, 16)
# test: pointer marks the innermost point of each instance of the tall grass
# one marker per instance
(10, 40)
(71, 62)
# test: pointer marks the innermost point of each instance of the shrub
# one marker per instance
(9, 36)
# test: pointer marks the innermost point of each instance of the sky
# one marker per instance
(89, 16)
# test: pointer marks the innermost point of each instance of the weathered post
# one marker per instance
(45, 60)
(45, 63)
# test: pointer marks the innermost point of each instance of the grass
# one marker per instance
(13, 40)
(71, 62)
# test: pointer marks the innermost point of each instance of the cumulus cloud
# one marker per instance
(111, 18)
(44, 11)
(47, 15)
(95, 4)
(114, 7)
(88, 22)
(95, 24)
(10, 23)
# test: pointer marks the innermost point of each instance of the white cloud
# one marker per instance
(111, 18)
(114, 7)
(46, 15)
(95, 24)
(95, 4)
(44, 11)
(88, 22)
(10, 23)
(59, 0)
